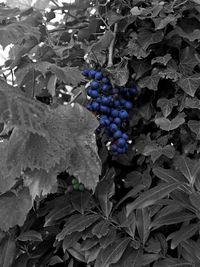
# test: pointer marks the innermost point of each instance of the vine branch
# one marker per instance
(111, 47)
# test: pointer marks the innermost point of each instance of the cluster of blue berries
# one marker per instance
(112, 105)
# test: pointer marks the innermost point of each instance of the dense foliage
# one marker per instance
(66, 199)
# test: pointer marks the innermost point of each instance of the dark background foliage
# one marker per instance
(145, 210)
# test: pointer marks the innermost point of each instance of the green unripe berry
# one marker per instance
(81, 187)
(74, 181)
(76, 186)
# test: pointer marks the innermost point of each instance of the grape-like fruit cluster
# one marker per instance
(112, 105)
(75, 186)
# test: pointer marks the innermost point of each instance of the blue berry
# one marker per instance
(94, 94)
(98, 76)
(116, 103)
(105, 80)
(122, 102)
(86, 72)
(111, 119)
(104, 122)
(115, 91)
(105, 87)
(95, 106)
(120, 150)
(117, 120)
(128, 105)
(113, 127)
(92, 73)
(94, 85)
(98, 100)
(125, 136)
(89, 91)
(105, 100)
(114, 148)
(123, 114)
(104, 109)
(114, 113)
(133, 91)
(117, 134)
(89, 106)
(121, 142)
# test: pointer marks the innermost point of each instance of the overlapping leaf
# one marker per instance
(21, 111)
(14, 208)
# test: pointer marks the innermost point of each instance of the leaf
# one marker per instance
(112, 253)
(189, 168)
(7, 178)
(21, 111)
(143, 221)
(69, 75)
(188, 60)
(135, 11)
(26, 4)
(195, 128)
(40, 182)
(14, 208)
(192, 102)
(166, 105)
(161, 23)
(172, 218)
(151, 82)
(161, 60)
(30, 235)
(77, 223)
(156, 151)
(195, 199)
(167, 125)
(109, 238)
(104, 191)
(147, 38)
(80, 200)
(191, 36)
(184, 233)
(171, 72)
(71, 146)
(151, 196)
(8, 252)
(70, 240)
(119, 73)
(168, 175)
(101, 229)
(140, 67)
(189, 84)
(13, 33)
(54, 260)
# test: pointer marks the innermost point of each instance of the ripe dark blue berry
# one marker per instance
(105, 100)
(104, 109)
(114, 113)
(98, 75)
(86, 72)
(121, 142)
(105, 87)
(114, 148)
(92, 73)
(128, 105)
(94, 94)
(105, 80)
(117, 120)
(95, 106)
(118, 134)
(113, 127)
(123, 114)
(94, 85)
(125, 136)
